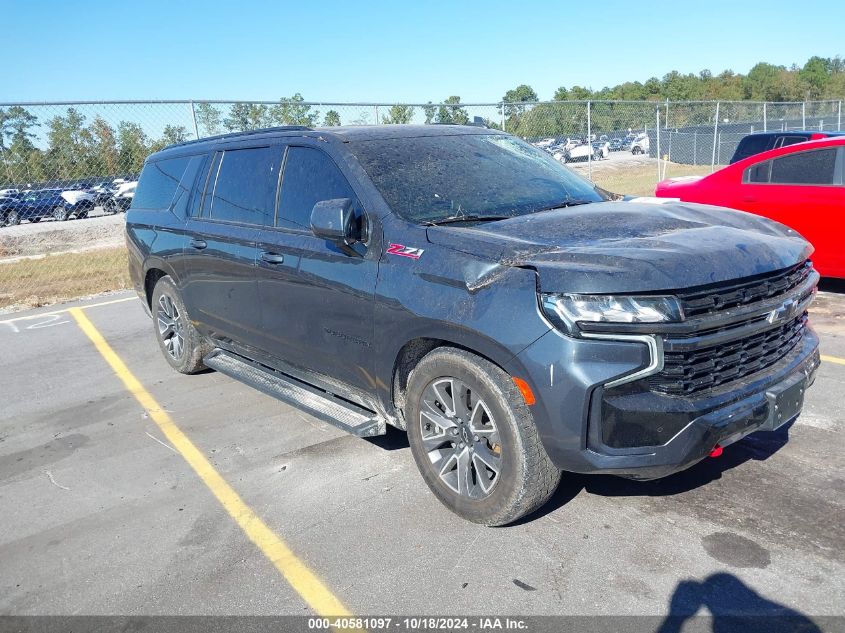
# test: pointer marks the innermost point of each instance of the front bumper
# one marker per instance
(572, 411)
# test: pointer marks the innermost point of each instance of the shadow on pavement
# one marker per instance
(733, 606)
(758, 447)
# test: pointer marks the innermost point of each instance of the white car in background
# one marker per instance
(640, 145)
(584, 151)
(603, 147)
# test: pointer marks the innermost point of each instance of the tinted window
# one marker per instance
(783, 141)
(805, 168)
(158, 183)
(751, 145)
(245, 190)
(310, 176)
(758, 173)
(434, 177)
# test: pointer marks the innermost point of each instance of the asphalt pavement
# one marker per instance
(102, 513)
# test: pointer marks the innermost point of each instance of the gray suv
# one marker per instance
(463, 286)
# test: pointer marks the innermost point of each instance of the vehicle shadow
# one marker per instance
(757, 447)
(395, 439)
(733, 606)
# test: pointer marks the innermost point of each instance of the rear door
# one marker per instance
(316, 298)
(803, 190)
(219, 262)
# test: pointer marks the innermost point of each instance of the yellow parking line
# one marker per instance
(833, 359)
(295, 572)
(41, 315)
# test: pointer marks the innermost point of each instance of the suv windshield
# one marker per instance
(487, 176)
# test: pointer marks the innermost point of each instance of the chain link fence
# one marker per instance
(68, 170)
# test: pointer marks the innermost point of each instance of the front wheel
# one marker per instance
(474, 439)
(13, 218)
(60, 214)
(183, 347)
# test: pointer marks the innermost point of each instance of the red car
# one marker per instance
(801, 186)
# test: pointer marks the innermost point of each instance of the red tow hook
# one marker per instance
(717, 451)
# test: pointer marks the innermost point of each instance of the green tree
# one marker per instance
(332, 118)
(71, 145)
(293, 111)
(208, 119)
(107, 157)
(398, 114)
(452, 112)
(238, 119)
(515, 99)
(816, 75)
(133, 146)
(430, 111)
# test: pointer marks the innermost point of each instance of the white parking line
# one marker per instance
(53, 313)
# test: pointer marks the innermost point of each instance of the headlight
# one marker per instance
(568, 309)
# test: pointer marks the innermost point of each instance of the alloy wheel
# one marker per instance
(171, 327)
(460, 438)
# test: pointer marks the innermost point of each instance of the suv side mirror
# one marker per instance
(334, 220)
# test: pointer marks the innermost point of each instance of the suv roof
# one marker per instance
(343, 133)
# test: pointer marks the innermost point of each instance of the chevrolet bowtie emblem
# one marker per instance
(781, 312)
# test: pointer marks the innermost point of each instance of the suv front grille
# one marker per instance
(704, 368)
(741, 293)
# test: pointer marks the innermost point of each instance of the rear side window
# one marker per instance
(751, 145)
(158, 183)
(758, 173)
(805, 168)
(310, 176)
(783, 141)
(242, 185)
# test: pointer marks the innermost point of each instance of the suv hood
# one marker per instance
(627, 247)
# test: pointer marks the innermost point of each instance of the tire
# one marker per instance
(636, 151)
(35, 220)
(181, 344)
(13, 218)
(494, 429)
(82, 214)
(60, 214)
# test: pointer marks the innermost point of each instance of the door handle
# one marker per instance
(272, 258)
(198, 244)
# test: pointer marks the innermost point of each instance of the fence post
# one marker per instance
(715, 135)
(503, 116)
(589, 140)
(194, 117)
(839, 117)
(764, 117)
(803, 115)
(695, 148)
(657, 129)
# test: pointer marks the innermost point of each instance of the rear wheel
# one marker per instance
(181, 344)
(35, 220)
(474, 439)
(13, 219)
(60, 214)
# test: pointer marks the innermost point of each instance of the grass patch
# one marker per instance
(640, 180)
(46, 280)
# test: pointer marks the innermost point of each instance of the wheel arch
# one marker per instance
(406, 356)
(154, 270)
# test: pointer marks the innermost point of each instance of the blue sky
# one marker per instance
(388, 51)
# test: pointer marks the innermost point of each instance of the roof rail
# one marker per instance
(279, 128)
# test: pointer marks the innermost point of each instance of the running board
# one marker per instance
(327, 407)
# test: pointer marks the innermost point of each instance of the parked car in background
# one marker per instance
(45, 203)
(122, 197)
(616, 144)
(640, 144)
(576, 153)
(626, 144)
(491, 302)
(764, 141)
(801, 186)
(603, 148)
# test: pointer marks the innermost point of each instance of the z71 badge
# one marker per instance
(404, 251)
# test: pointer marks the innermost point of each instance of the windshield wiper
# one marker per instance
(561, 205)
(468, 217)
